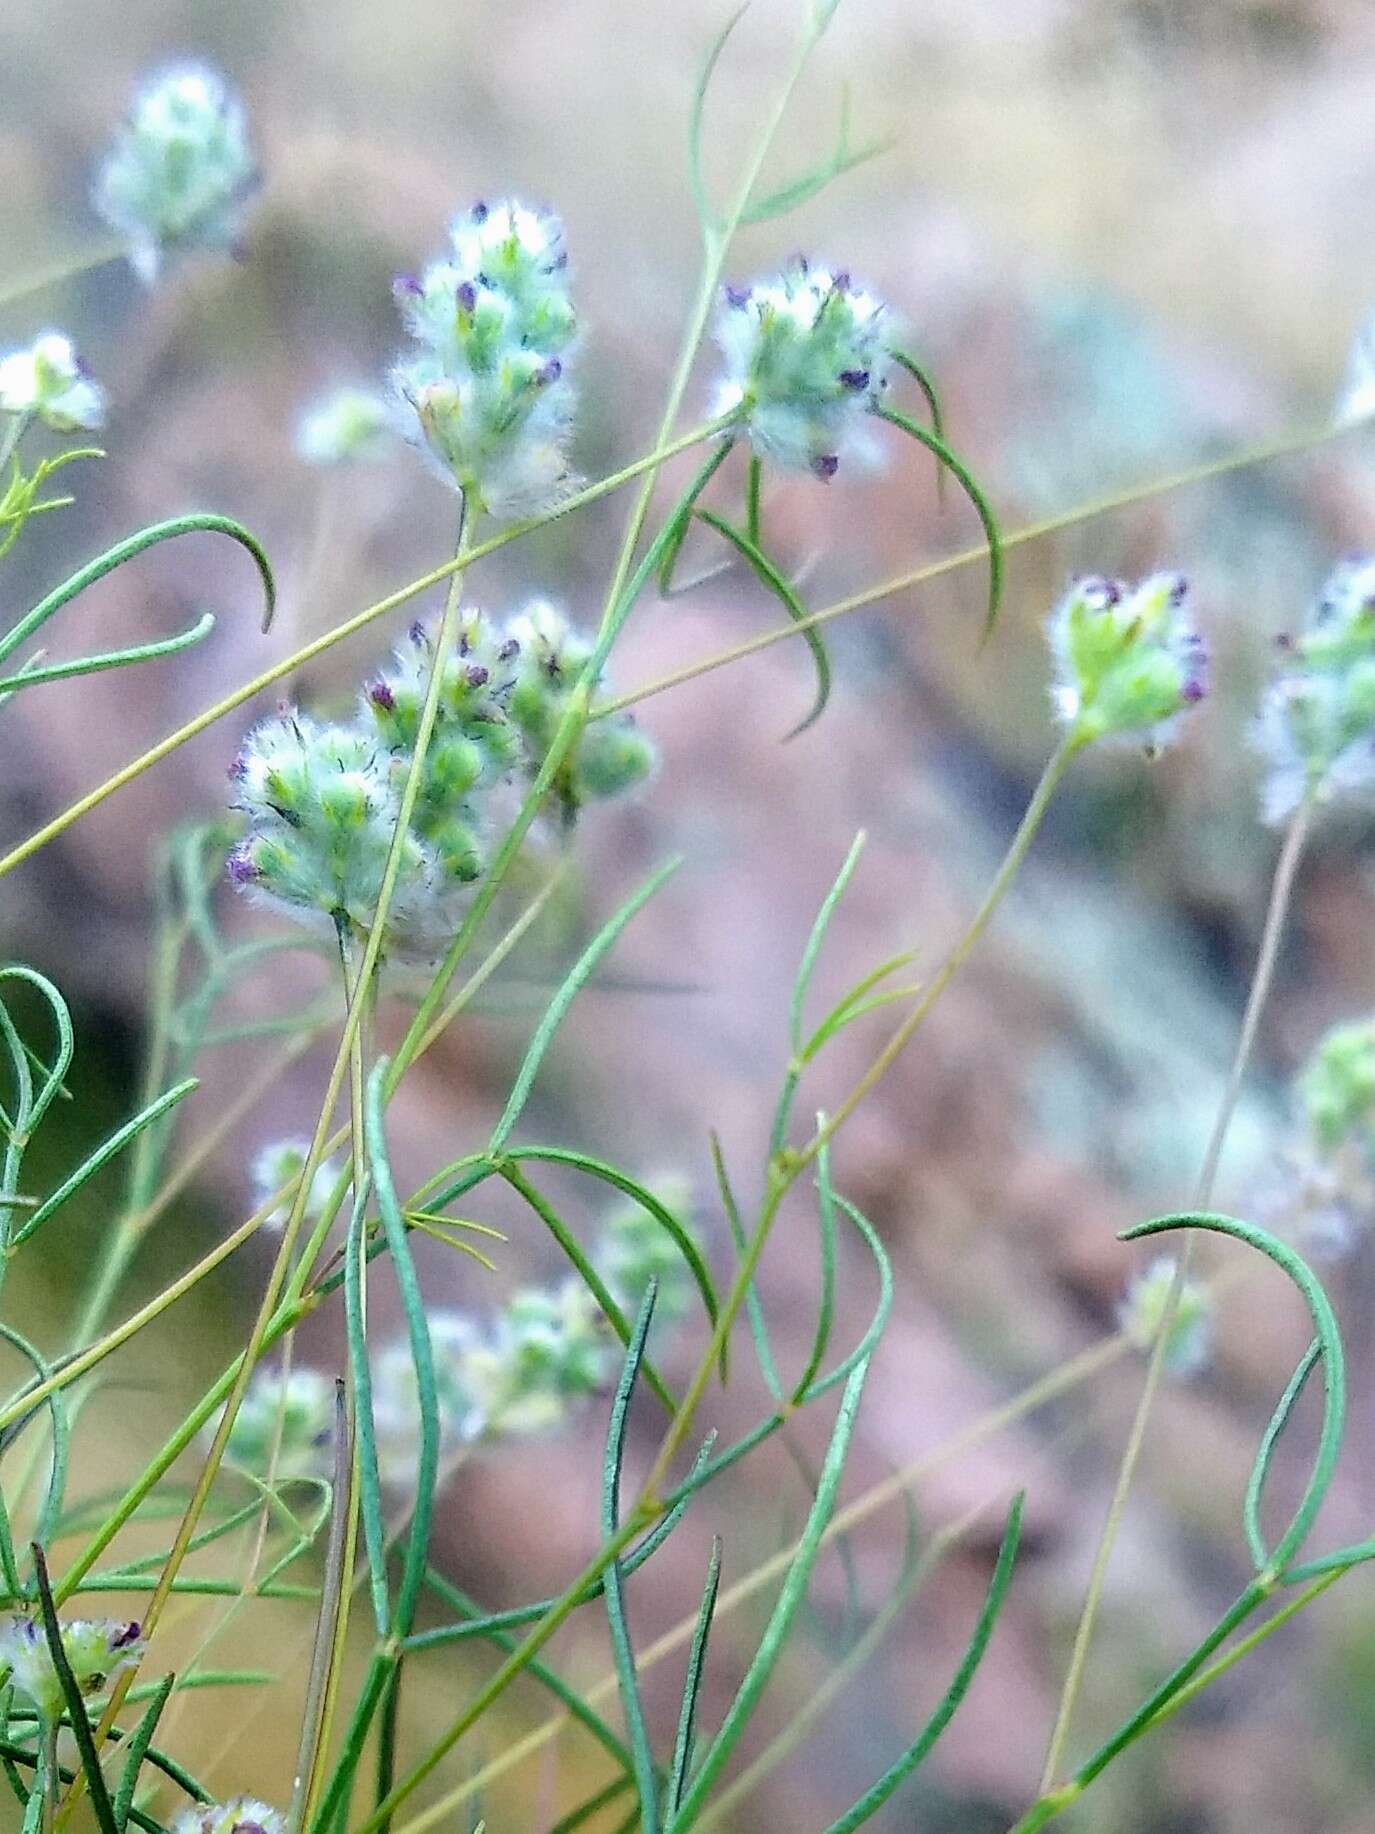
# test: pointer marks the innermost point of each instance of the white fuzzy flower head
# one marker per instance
(347, 426)
(180, 173)
(806, 359)
(1316, 724)
(291, 1412)
(547, 1349)
(48, 381)
(98, 1650)
(1129, 660)
(489, 392)
(613, 755)
(1336, 1087)
(1142, 1313)
(323, 803)
(240, 1815)
(279, 1163)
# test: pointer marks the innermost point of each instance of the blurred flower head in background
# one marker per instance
(180, 174)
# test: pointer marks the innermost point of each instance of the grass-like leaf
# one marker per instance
(897, 1773)
(364, 1423)
(422, 1351)
(586, 1272)
(1260, 1470)
(101, 1806)
(51, 1509)
(129, 549)
(841, 159)
(1330, 1344)
(632, 1703)
(785, 1609)
(706, 213)
(137, 1751)
(572, 984)
(754, 1310)
(110, 659)
(104, 1153)
(783, 591)
(971, 488)
(641, 1194)
(692, 1683)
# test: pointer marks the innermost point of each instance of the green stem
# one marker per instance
(1281, 888)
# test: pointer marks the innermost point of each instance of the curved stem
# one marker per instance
(1281, 889)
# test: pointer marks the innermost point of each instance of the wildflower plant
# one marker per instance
(417, 834)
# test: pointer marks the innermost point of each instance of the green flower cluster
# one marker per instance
(1129, 660)
(323, 801)
(98, 1651)
(1316, 727)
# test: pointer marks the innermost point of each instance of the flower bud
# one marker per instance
(49, 382)
(1316, 724)
(347, 426)
(806, 359)
(98, 1650)
(1142, 1313)
(180, 173)
(1128, 659)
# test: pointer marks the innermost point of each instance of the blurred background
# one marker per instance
(1123, 236)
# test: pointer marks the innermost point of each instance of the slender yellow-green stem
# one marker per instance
(444, 641)
(66, 267)
(788, 1165)
(1286, 867)
(318, 645)
(1081, 1369)
(1302, 441)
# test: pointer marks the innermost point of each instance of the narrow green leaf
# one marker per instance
(785, 1609)
(66, 1039)
(422, 1352)
(499, 1621)
(56, 1405)
(1260, 1470)
(866, 1346)
(967, 482)
(825, 1312)
(365, 1426)
(568, 991)
(539, 1671)
(104, 1153)
(586, 1272)
(675, 531)
(632, 1703)
(630, 1187)
(1329, 1339)
(692, 1684)
(128, 549)
(801, 982)
(110, 659)
(769, 575)
(843, 158)
(859, 1000)
(600, 1799)
(873, 1799)
(706, 214)
(137, 1751)
(101, 1806)
(754, 1309)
